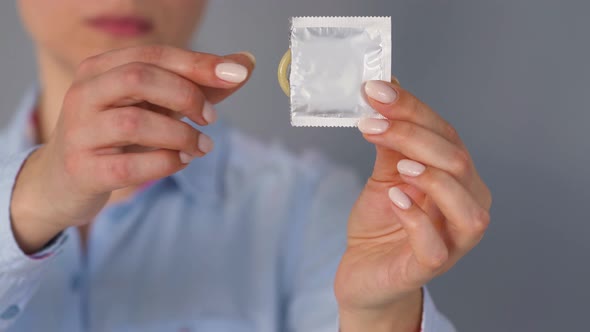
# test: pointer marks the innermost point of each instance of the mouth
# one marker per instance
(122, 26)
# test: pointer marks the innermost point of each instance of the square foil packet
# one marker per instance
(331, 58)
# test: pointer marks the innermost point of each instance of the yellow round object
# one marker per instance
(282, 73)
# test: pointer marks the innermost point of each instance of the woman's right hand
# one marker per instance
(119, 127)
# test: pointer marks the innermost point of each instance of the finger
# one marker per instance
(216, 95)
(395, 103)
(384, 159)
(111, 172)
(421, 144)
(136, 82)
(429, 249)
(135, 126)
(384, 173)
(159, 109)
(467, 219)
(201, 68)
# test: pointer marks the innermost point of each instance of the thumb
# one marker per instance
(216, 95)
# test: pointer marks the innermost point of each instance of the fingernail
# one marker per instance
(231, 72)
(250, 56)
(410, 167)
(205, 143)
(399, 198)
(373, 126)
(209, 113)
(380, 91)
(185, 158)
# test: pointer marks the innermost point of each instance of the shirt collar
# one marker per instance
(202, 177)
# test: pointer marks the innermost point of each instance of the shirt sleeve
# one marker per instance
(20, 273)
(316, 246)
(432, 319)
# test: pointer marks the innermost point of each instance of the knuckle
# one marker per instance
(413, 108)
(87, 65)
(416, 108)
(480, 222)
(404, 131)
(434, 180)
(451, 133)
(189, 97)
(136, 74)
(119, 170)
(437, 260)
(461, 162)
(412, 225)
(127, 121)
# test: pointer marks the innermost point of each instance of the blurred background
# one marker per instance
(511, 75)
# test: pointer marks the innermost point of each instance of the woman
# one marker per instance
(118, 216)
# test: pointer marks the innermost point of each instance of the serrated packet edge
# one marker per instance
(381, 23)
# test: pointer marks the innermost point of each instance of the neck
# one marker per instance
(55, 77)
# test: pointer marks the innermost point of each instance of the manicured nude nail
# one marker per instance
(205, 143)
(231, 72)
(209, 113)
(185, 158)
(380, 91)
(250, 56)
(373, 126)
(399, 198)
(410, 167)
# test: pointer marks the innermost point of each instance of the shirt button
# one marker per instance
(10, 312)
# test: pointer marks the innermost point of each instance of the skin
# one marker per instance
(393, 252)
(109, 121)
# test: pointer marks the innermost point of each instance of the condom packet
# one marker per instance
(331, 58)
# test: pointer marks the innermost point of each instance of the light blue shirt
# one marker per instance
(247, 238)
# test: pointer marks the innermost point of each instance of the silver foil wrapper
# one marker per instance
(331, 59)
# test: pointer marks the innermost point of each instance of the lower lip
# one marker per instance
(122, 27)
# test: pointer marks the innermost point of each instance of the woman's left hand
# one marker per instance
(423, 208)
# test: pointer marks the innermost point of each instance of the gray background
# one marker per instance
(511, 75)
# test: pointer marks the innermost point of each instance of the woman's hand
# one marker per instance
(119, 127)
(423, 208)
